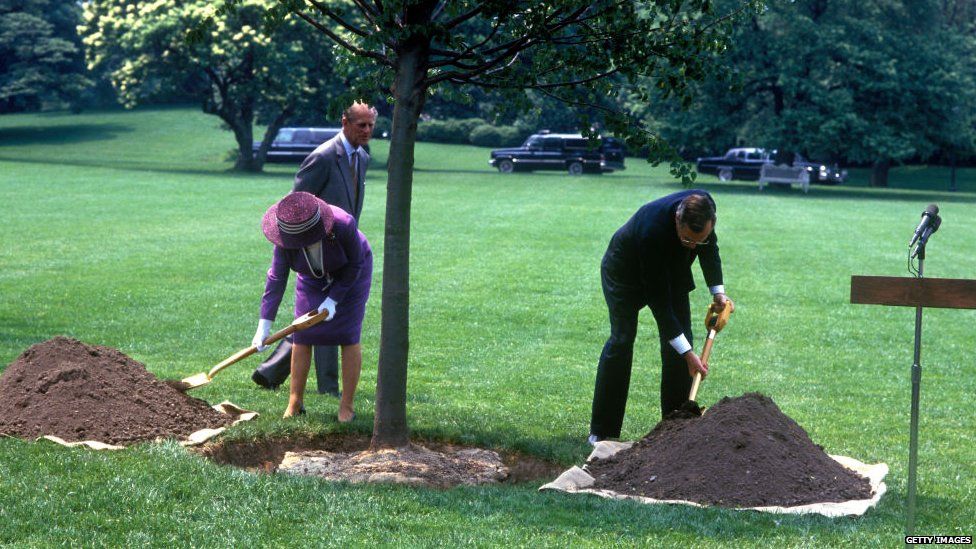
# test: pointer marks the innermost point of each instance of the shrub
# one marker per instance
(487, 135)
(452, 130)
(383, 126)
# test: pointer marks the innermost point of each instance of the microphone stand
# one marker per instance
(916, 383)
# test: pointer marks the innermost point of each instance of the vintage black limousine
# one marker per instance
(571, 153)
(293, 144)
(745, 163)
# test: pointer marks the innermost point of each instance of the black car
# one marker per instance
(821, 172)
(735, 164)
(294, 144)
(745, 163)
(559, 151)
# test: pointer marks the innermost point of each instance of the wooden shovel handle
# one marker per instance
(706, 352)
(305, 321)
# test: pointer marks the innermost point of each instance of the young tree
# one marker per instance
(241, 71)
(40, 61)
(567, 50)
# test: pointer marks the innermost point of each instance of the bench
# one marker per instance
(782, 174)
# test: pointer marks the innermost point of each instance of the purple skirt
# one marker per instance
(346, 327)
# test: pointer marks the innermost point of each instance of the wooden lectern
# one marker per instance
(914, 292)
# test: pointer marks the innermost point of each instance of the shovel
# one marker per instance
(714, 321)
(305, 321)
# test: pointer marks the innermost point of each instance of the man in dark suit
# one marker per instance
(648, 263)
(335, 172)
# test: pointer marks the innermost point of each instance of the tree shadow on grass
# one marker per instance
(820, 193)
(60, 135)
(151, 167)
(449, 170)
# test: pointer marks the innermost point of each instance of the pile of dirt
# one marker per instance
(744, 452)
(74, 391)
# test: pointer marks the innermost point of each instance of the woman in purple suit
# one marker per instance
(335, 268)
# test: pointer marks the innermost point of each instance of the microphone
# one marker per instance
(926, 233)
(931, 211)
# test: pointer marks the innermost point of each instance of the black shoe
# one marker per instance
(332, 393)
(256, 377)
(274, 371)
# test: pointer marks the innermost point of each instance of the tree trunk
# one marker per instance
(261, 156)
(390, 422)
(879, 173)
(246, 161)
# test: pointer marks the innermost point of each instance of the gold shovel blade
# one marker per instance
(195, 381)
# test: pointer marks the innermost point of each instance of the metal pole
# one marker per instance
(913, 429)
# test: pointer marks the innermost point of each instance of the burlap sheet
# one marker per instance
(577, 481)
(193, 439)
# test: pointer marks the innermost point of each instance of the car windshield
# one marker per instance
(285, 135)
(533, 142)
(754, 156)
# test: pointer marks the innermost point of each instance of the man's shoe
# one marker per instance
(593, 439)
(258, 378)
(332, 393)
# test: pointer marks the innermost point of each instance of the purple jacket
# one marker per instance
(343, 253)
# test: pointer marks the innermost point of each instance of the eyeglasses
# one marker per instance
(691, 242)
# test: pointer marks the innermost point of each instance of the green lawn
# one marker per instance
(126, 230)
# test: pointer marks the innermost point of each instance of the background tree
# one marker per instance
(866, 82)
(566, 50)
(240, 70)
(40, 61)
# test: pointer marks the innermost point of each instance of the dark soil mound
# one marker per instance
(744, 452)
(75, 391)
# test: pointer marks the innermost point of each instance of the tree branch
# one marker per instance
(338, 40)
(436, 12)
(541, 86)
(335, 17)
(452, 57)
(368, 11)
(464, 17)
(511, 48)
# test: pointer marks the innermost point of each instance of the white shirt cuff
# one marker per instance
(680, 344)
(720, 289)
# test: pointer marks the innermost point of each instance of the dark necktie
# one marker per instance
(354, 166)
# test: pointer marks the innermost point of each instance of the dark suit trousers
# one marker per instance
(327, 368)
(616, 361)
(276, 369)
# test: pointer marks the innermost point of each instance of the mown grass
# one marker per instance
(127, 230)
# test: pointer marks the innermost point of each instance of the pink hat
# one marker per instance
(297, 220)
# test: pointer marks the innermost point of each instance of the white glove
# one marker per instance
(328, 305)
(262, 333)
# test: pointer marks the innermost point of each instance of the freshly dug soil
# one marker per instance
(75, 391)
(744, 452)
(265, 455)
(412, 464)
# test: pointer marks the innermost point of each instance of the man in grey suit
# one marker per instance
(335, 172)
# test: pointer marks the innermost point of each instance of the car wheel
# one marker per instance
(575, 168)
(725, 174)
(506, 166)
